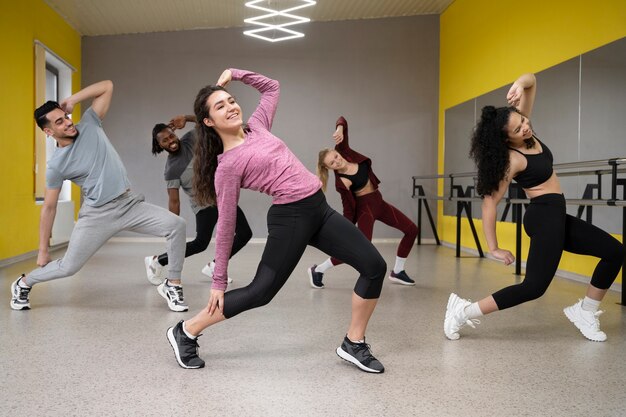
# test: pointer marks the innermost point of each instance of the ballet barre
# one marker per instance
(465, 196)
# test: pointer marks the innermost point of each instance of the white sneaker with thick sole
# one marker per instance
(173, 294)
(208, 271)
(586, 321)
(154, 270)
(456, 317)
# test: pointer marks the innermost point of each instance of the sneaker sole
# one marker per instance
(174, 345)
(399, 281)
(571, 318)
(17, 306)
(349, 358)
(310, 274)
(176, 308)
(156, 280)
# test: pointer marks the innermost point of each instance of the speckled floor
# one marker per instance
(94, 345)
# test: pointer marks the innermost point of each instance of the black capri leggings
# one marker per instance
(293, 226)
(552, 231)
(205, 223)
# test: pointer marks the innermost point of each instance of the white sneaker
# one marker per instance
(456, 317)
(153, 270)
(173, 294)
(586, 321)
(208, 271)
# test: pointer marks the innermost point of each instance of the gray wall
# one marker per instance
(382, 75)
(579, 113)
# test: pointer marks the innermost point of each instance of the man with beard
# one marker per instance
(179, 174)
(85, 156)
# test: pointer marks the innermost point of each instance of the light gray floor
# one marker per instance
(94, 345)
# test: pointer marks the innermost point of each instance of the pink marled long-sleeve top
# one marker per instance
(262, 163)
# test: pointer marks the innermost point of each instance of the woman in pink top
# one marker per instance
(231, 155)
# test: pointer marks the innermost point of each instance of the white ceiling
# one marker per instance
(114, 17)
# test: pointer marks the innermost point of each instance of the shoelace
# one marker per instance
(596, 320)
(472, 323)
(23, 294)
(176, 292)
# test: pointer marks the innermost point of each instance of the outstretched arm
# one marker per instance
(48, 213)
(101, 93)
(521, 95)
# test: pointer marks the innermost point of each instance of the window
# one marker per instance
(53, 82)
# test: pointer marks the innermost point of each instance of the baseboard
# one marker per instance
(29, 255)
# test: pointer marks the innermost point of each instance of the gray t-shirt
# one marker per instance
(179, 169)
(90, 162)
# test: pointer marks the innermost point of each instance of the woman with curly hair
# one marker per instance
(505, 148)
(362, 203)
(229, 156)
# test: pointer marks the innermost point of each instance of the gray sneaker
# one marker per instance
(173, 294)
(185, 348)
(360, 355)
(19, 295)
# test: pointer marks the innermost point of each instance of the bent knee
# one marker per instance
(616, 253)
(245, 235)
(530, 293)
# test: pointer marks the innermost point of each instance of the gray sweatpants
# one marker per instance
(96, 225)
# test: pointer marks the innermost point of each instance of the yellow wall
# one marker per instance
(486, 44)
(21, 22)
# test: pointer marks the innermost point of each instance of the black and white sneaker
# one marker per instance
(401, 278)
(173, 294)
(315, 278)
(19, 295)
(185, 348)
(360, 355)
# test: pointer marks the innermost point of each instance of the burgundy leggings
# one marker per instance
(371, 207)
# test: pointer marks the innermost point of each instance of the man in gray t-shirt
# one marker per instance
(179, 174)
(85, 156)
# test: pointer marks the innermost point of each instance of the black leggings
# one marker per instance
(552, 231)
(205, 223)
(293, 226)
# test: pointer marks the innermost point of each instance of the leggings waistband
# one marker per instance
(551, 198)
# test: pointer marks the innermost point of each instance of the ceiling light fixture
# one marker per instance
(280, 27)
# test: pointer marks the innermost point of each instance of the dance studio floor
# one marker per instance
(94, 345)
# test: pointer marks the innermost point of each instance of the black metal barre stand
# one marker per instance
(464, 201)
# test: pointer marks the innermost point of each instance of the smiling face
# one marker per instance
(334, 161)
(60, 126)
(168, 140)
(224, 112)
(518, 128)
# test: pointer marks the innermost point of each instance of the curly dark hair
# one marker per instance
(158, 128)
(208, 146)
(489, 148)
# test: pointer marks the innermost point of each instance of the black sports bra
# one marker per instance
(538, 168)
(359, 180)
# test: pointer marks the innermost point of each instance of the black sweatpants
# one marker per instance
(206, 219)
(552, 231)
(293, 226)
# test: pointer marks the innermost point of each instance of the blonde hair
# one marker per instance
(322, 170)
